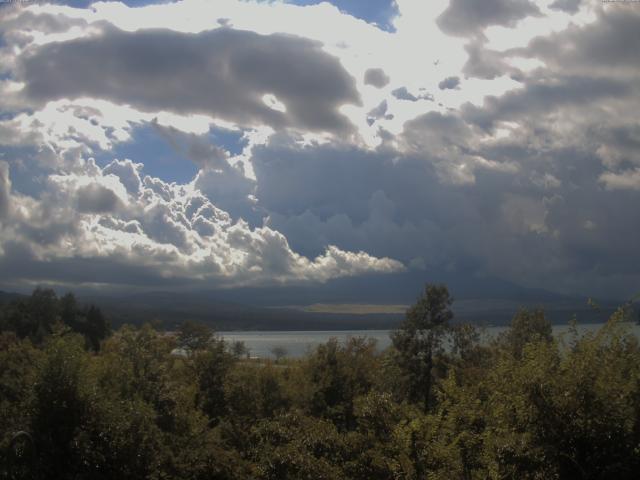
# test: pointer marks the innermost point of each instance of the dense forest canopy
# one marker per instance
(78, 401)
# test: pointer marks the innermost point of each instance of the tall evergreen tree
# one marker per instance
(420, 338)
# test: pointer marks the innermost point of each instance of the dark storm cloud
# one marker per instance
(370, 213)
(431, 130)
(549, 221)
(468, 17)
(611, 42)
(223, 73)
(96, 198)
(484, 63)
(20, 263)
(574, 141)
(602, 48)
(376, 77)
(542, 96)
(397, 205)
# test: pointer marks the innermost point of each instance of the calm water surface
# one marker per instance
(299, 343)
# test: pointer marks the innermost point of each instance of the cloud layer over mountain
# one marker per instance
(492, 138)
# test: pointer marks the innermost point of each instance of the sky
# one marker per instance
(242, 143)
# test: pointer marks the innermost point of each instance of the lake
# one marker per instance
(299, 343)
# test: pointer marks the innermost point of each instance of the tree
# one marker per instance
(96, 327)
(194, 336)
(19, 361)
(33, 316)
(420, 338)
(88, 321)
(60, 406)
(339, 374)
(526, 327)
(279, 352)
(43, 306)
(69, 310)
(239, 349)
(212, 366)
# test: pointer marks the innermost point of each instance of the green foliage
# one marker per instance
(18, 373)
(439, 404)
(239, 349)
(338, 375)
(420, 338)
(295, 446)
(35, 317)
(526, 327)
(60, 405)
(255, 392)
(279, 352)
(211, 367)
(193, 336)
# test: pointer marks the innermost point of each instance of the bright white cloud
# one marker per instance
(172, 231)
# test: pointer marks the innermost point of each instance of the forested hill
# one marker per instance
(166, 310)
(6, 297)
(137, 403)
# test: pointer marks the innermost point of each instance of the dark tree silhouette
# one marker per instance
(420, 337)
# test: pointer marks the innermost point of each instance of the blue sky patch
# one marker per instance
(167, 161)
(160, 160)
(380, 12)
(232, 141)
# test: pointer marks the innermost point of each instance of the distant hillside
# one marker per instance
(6, 297)
(370, 302)
(169, 309)
(344, 303)
(389, 289)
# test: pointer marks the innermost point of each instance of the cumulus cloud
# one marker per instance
(485, 63)
(22, 26)
(222, 73)
(231, 190)
(544, 96)
(379, 112)
(467, 17)
(449, 83)
(128, 173)
(402, 93)
(599, 48)
(376, 77)
(95, 198)
(524, 204)
(168, 232)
